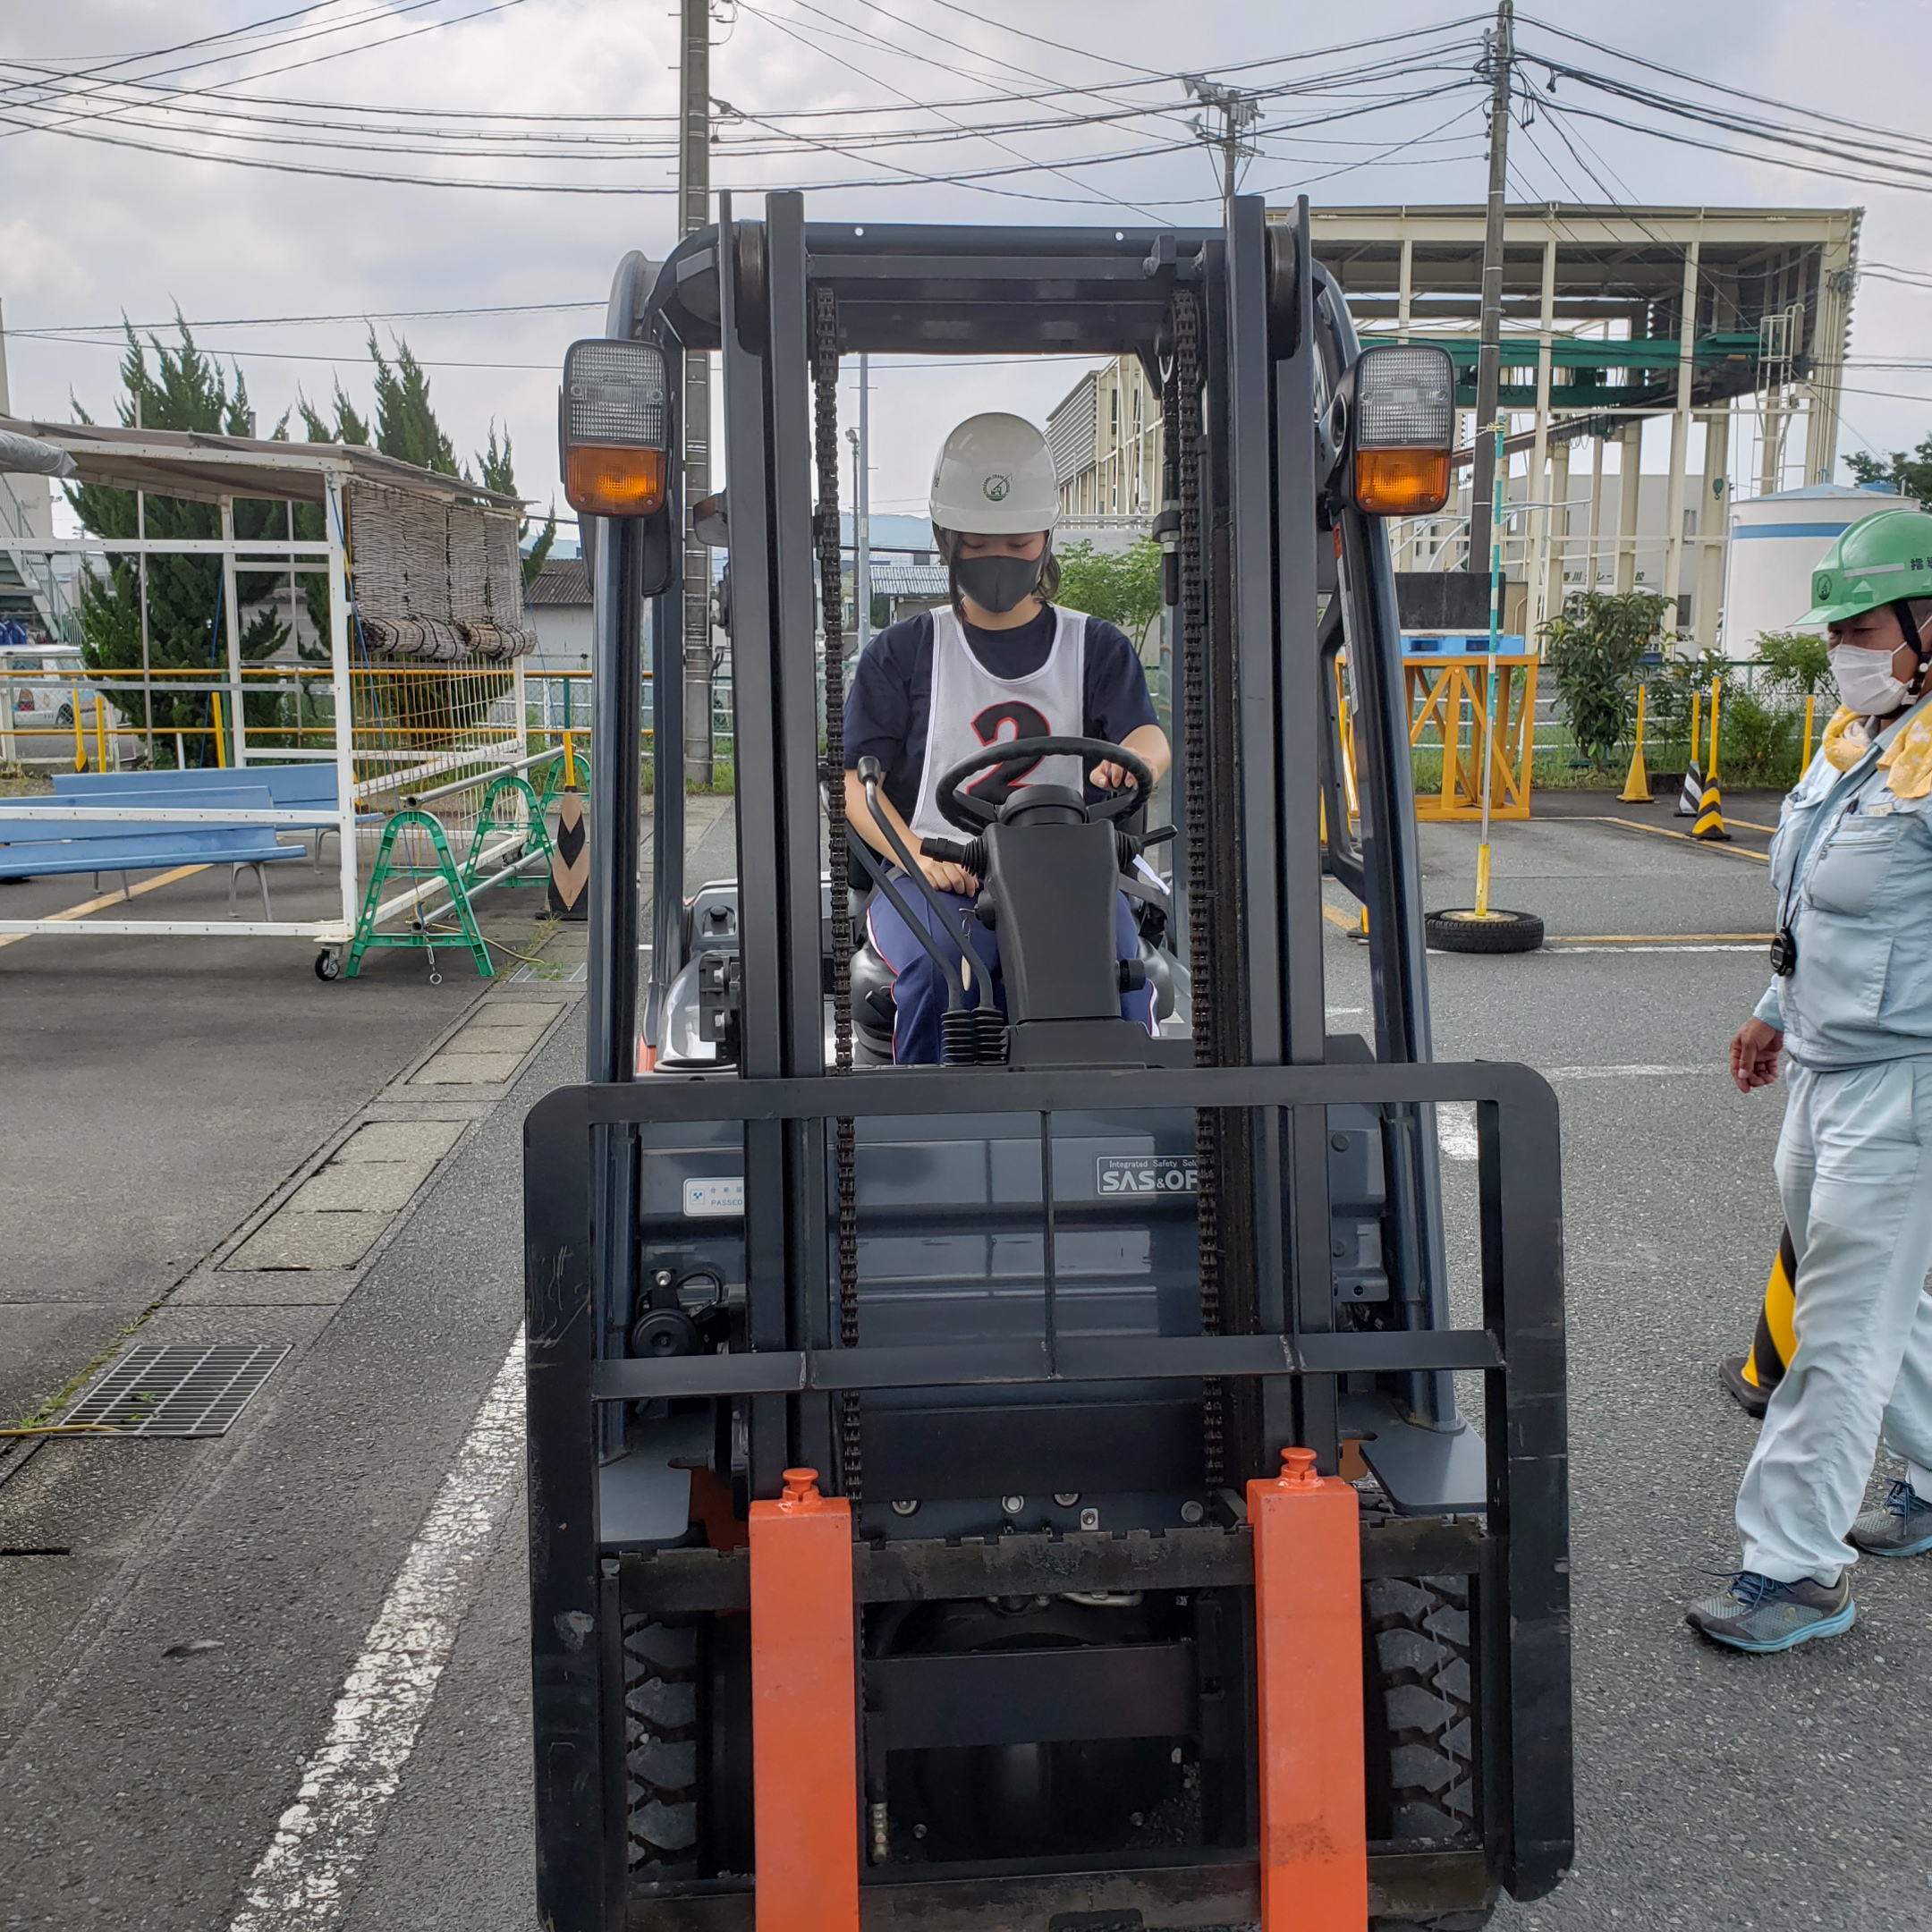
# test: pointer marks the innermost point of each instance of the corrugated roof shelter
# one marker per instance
(423, 694)
(433, 560)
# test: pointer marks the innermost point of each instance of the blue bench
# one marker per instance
(40, 848)
(291, 788)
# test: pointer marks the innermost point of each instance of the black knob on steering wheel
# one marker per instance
(972, 814)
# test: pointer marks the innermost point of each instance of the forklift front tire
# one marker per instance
(1462, 930)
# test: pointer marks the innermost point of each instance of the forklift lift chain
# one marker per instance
(1180, 408)
(831, 592)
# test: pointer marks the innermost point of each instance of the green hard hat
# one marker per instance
(1878, 560)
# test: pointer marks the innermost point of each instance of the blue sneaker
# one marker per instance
(1758, 1614)
(1900, 1526)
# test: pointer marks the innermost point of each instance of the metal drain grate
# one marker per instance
(194, 1389)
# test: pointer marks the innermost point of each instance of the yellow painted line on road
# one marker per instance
(113, 899)
(1769, 831)
(1631, 824)
(1341, 921)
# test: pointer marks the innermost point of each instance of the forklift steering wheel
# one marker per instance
(972, 814)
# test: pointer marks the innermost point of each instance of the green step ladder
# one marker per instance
(511, 785)
(388, 866)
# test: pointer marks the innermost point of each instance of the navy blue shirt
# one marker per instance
(890, 702)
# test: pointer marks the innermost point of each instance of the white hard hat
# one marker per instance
(993, 476)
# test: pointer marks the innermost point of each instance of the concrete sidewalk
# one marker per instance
(159, 1089)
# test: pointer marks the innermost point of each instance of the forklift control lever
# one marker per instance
(869, 776)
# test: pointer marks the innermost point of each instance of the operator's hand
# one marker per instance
(1754, 1055)
(1111, 777)
(943, 876)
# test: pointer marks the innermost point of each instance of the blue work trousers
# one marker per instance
(919, 990)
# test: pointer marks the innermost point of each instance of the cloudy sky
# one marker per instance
(106, 207)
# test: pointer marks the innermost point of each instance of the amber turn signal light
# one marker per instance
(1402, 482)
(601, 479)
(614, 425)
(1401, 423)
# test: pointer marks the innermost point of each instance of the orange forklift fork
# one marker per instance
(1308, 1699)
(1309, 1705)
(804, 1711)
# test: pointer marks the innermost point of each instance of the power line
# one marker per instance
(974, 178)
(1716, 87)
(407, 6)
(283, 355)
(370, 315)
(102, 63)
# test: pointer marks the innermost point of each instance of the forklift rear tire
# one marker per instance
(661, 1747)
(329, 964)
(1460, 930)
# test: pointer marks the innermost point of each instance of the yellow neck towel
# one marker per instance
(1907, 761)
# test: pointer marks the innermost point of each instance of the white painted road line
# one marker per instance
(1631, 1073)
(303, 1880)
(1455, 1120)
(1455, 1129)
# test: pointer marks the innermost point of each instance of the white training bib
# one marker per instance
(972, 709)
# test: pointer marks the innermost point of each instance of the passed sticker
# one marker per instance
(722, 1195)
(1145, 1174)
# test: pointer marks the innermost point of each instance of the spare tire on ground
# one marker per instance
(1462, 930)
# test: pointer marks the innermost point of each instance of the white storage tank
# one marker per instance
(1775, 544)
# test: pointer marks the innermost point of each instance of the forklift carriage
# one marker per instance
(1029, 1491)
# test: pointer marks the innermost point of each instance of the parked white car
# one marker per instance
(40, 685)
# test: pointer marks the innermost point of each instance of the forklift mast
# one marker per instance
(811, 1348)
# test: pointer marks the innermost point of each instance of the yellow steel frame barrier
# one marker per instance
(1448, 696)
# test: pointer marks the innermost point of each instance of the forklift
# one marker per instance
(1031, 1491)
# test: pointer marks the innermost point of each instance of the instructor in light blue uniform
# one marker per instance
(1851, 1003)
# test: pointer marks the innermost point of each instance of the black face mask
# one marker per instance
(997, 583)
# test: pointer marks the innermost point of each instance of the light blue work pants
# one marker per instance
(1854, 1167)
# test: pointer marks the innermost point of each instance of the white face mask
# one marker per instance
(1865, 682)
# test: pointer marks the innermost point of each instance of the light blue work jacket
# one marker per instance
(1851, 866)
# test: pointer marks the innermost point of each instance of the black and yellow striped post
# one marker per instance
(1710, 825)
(1749, 1379)
(1690, 793)
(570, 860)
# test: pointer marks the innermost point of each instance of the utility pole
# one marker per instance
(694, 212)
(1239, 112)
(1501, 55)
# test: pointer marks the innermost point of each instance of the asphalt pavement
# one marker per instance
(141, 1790)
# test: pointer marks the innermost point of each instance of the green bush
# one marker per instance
(1796, 665)
(1594, 651)
(1121, 585)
